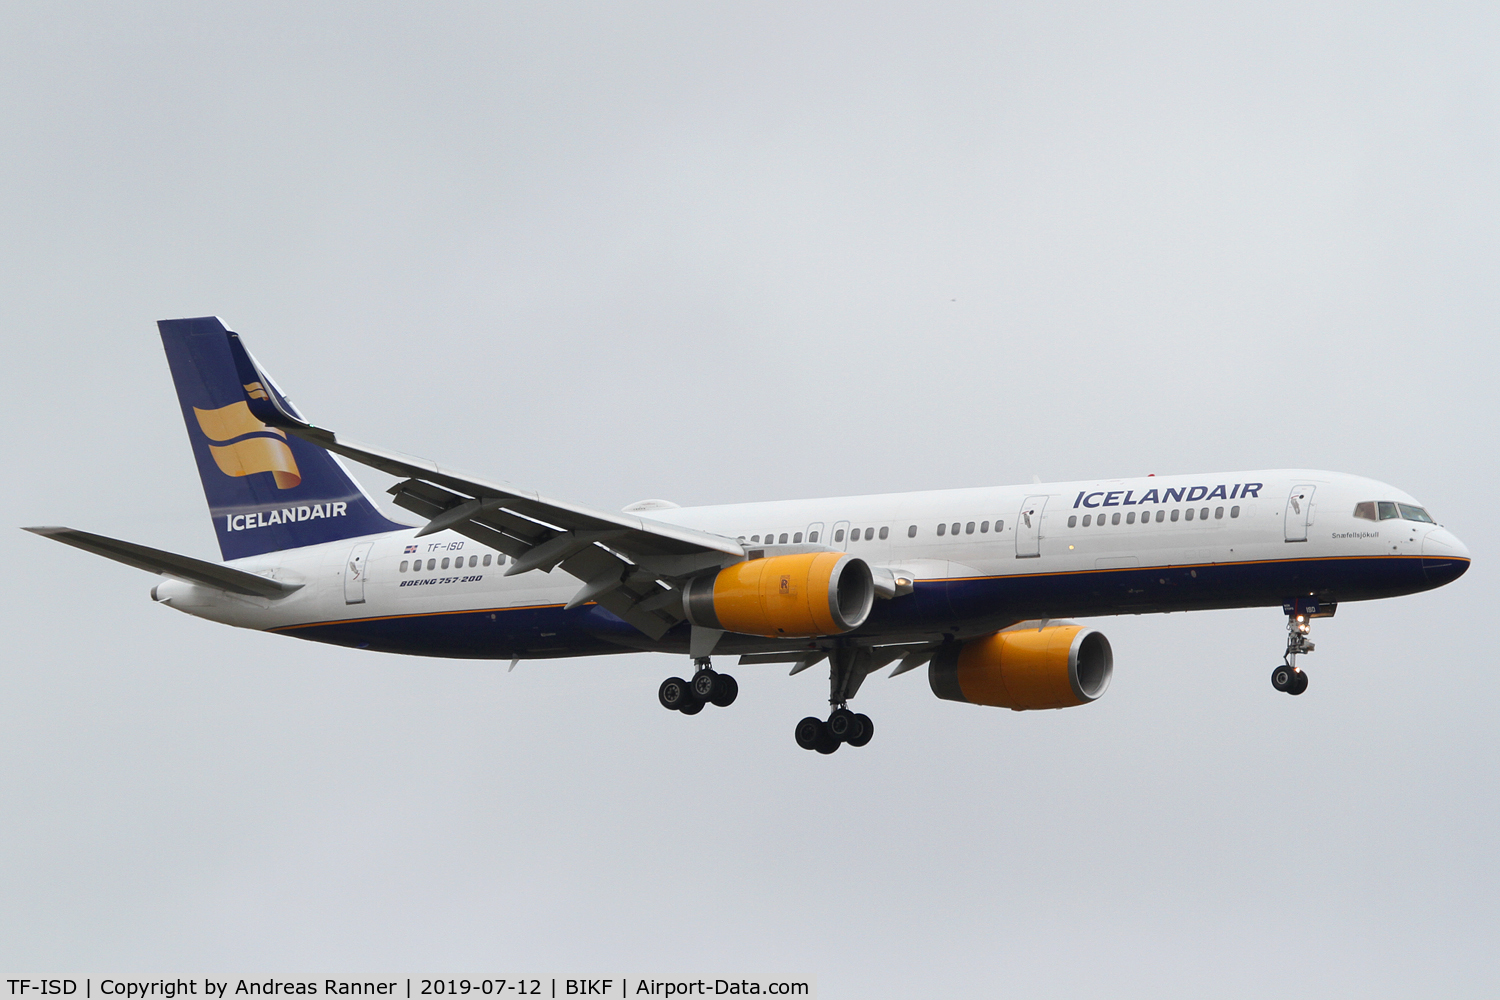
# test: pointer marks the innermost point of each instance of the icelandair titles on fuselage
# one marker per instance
(1175, 494)
(284, 515)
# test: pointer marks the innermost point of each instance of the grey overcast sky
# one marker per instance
(715, 252)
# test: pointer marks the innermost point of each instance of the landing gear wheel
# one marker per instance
(809, 732)
(704, 682)
(726, 689)
(1281, 678)
(827, 742)
(865, 732)
(691, 708)
(673, 694)
(1299, 683)
(843, 725)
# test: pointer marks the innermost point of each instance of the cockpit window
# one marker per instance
(1386, 510)
(1415, 513)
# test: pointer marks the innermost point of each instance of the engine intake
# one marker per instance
(807, 594)
(1025, 668)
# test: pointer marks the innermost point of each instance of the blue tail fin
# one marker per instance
(267, 490)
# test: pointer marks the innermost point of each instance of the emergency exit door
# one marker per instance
(354, 574)
(1029, 528)
(1299, 512)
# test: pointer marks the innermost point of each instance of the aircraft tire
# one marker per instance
(726, 689)
(865, 733)
(828, 743)
(705, 682)
(1281, 677)
(691, 708)
(843, 724)
(809, 732)
(1299, 683)
(673, 694)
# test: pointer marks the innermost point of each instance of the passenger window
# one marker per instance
(445, 562)
(1366, 510)
(1072, 520)
(1415, 514)
(1234, 512)
(1088, 519)
(984, 527)
(755, 538)
(1190, 513)
(404, 564)
(783, 538)
(812, 536)
(885, 533)
(1115, 519)
(1130, 518)
(1218, 513)
(969, 528)
(869, 534)
(1388, 510)
(911, 532)
(942, 530)
(1203, 514)
(486, 560)
(838, 536)
(500, 560)
(955, 527)
(797, 538)
(1174, 514)
(1161, 515)
(999, 526)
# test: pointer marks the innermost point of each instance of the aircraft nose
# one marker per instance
(1444, 557)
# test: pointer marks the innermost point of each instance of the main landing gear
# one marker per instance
(708, 687)
(848, 667)
(1289, 677)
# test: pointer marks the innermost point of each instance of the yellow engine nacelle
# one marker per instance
(810, 594)
(1025, 668)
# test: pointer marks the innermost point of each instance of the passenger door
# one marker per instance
(354, 574)
(1029, 528)
(1299, 512)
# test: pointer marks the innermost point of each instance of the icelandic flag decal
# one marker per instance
(410, 549)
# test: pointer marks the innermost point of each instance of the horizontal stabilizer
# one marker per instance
(170, 564)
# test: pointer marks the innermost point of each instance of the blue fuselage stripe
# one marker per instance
(960, 607)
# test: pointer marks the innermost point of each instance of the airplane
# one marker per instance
(978, 585)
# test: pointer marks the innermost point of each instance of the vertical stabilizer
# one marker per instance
(266, 490)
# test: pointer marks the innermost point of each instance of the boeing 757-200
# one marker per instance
(977, 585)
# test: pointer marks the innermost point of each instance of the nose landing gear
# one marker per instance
(1300, 612)
(708, 687)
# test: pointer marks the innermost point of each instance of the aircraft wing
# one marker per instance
(632, 566)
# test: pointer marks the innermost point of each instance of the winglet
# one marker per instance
(262, 402)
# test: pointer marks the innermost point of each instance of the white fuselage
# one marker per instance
(981, 558)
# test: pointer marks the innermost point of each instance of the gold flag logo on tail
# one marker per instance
(255, 391)
(238, 455)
